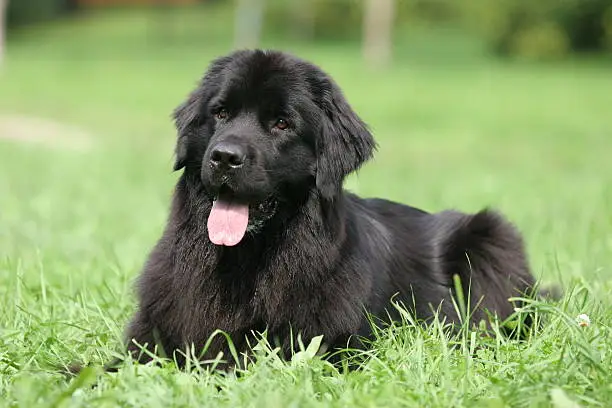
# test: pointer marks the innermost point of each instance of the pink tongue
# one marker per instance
(227, 222)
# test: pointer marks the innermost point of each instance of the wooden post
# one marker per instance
(377, 32)
(248, 23)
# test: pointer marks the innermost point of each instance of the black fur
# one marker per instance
(315, 257)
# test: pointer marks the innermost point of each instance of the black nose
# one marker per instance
(228, 155)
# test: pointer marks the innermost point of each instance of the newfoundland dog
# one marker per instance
(262, 237)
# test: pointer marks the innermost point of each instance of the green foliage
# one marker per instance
(531, 29)
(540, 29)
(546, 40)
(29, 11)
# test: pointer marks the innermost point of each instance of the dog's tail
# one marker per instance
(487, 253)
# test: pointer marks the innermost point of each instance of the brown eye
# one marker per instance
(221, 114)
(281, 124)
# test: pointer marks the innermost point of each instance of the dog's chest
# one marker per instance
(294, 284)
(239, 301)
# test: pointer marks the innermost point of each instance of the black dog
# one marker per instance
(262, 236)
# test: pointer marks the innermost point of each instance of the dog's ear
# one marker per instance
(185, 116)
(344, 144)
(190, 115)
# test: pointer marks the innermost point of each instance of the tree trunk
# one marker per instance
(248, 23)
(377, 32)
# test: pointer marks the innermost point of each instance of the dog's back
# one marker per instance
(426, 251)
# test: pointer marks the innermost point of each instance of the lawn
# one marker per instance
(85, 181)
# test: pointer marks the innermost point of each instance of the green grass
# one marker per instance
(76, 225)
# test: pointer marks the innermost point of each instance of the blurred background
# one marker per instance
(536, 30)
(506, 103)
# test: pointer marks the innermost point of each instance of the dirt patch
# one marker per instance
(45, 132)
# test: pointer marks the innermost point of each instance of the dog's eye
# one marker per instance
(281, 124)
(221, 114)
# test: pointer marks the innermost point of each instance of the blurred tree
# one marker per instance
(24, 12)
(248, 23)
(378, 21)
(539, 29)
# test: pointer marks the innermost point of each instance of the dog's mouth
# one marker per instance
(228, 219)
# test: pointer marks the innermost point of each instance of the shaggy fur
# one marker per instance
(314, 258)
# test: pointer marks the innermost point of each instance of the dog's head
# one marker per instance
(261, 130)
